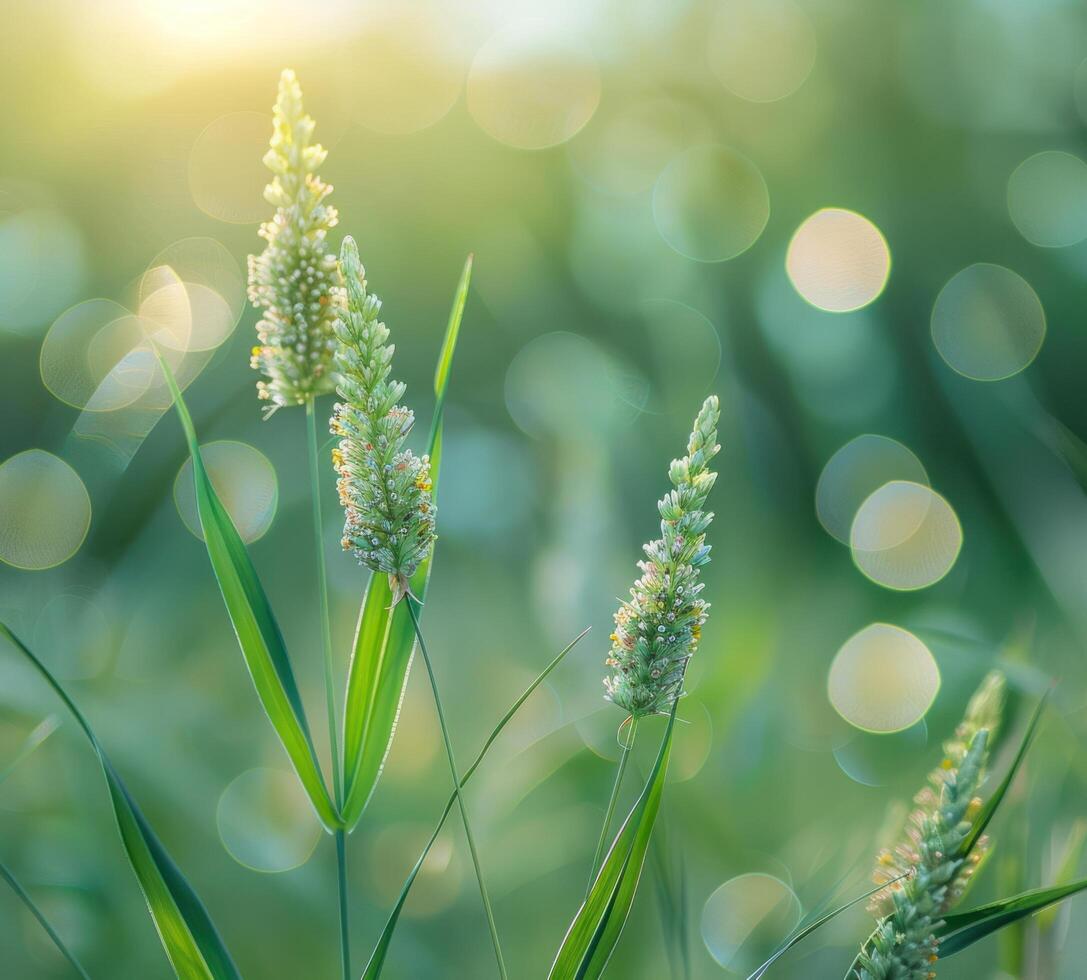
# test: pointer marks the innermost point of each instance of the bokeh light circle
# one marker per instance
(675, 356)
(226, 172)
(266, 821)
(199, 261)
(876, 758)
(1047, 199)
(711, 203)
(186, 316)
(558, 385)
(761, 50)
(245, 481)
(905, 536)
(883, 679)
(397, 846)
(744, 919)
(838, 260)
(531, 89)
(856, 471)
(406, 71)
(988, 323)
(45, 510)
(691, 753)
(96, 357)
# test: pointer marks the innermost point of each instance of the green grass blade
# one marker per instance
(963, 929)
(806, 929)
(449, 345)
(384, 639)
(671, 879)
(989, 809)
(188, 935)
(40, 733)
(25, 898)
(255, 625)
(1066, 869)
(381, 950)
(596, 928)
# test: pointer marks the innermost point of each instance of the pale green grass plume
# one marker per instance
(931, 877)
(657, 631)
(385, 489)
(293, 281)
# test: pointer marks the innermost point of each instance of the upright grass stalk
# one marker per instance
(465, 819)
(624, 757)
(330, 696)
(43, 921)
(658, 629)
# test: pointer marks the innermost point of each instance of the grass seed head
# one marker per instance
(385, 489)
(294, 281)
(904, 944)
(658, 629)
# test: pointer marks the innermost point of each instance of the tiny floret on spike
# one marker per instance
(911, 908)
(658, 629)
(385, 489)
(294, 281)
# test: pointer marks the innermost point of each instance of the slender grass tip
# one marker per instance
(658, 629)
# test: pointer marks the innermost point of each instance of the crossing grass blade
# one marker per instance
(990, 806)
(188, 935)
(810, 925)
(385, 639)
(670, 875)
(52, 933)
(381, 950)
(595, 930)
(1066, 869)
(40, 733)
(255, 625)
(962, 929)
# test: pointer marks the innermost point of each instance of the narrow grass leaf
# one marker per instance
(963, 929)
(1072, 450)
(25, 898)
(990, 806)
(381, 950)
(384, 639)
(41, 732)
(1066, 869)
(188, 935)
(805, 929)
(671, 879)
(255, 625)
(596, 928)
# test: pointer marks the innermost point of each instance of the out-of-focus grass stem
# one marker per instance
(330, 695)
(620, 770)
(43, 921)
(466, 820)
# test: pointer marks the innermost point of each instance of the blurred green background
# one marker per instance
(629, 177)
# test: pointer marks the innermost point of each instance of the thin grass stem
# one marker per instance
(465, 819)
(330, 693)
(6, 874)
(621, 769)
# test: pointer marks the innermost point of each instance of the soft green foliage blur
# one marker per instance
(591, 336)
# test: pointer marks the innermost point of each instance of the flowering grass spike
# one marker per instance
(294, 280)
(657, 631)
(385, 490)
(904, 944)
